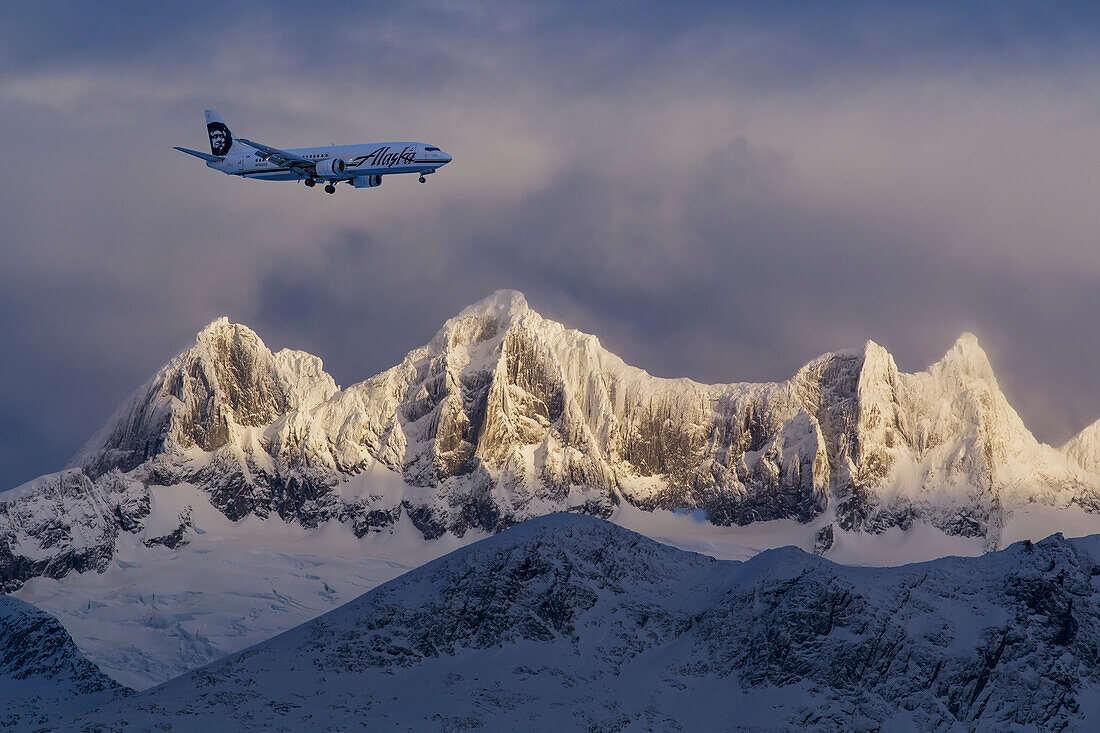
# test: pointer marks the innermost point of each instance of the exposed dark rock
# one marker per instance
(67, 523)
(823, 541)
(175, 538)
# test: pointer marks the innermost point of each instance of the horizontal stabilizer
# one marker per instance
(205, 156)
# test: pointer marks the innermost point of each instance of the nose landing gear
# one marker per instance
(423, 179)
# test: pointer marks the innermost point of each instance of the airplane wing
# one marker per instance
(282, 157)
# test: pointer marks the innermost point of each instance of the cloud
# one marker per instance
(721, 193)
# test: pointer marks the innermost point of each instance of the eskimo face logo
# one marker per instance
(220, 138)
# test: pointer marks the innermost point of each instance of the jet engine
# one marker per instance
(330, 168)
(366, 181)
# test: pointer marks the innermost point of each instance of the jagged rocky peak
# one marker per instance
(961, 389)
(1084, 448)
(257, 386)
(226, 380)
(485, 319)
(978, 400)
(958, 393)
(490, 384)
(503, 325)
(942, 444)
(967, 357)
(231, 369)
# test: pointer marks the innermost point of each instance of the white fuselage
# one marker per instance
(371, 159)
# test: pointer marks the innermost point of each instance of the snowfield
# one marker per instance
(156, 613)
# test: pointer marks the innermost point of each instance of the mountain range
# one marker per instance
(237, 462)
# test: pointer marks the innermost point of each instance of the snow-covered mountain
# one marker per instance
(234, 459)
(43, 677)
(569, 622)
(1084, 448)
(506, 415)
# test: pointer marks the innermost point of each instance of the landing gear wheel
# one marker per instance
(310, 183)
(330, 188)
(423, 179)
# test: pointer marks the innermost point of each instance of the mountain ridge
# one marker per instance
(568, 621)
(505, 415)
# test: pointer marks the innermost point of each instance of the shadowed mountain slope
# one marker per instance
(43, 676)
(569, 622)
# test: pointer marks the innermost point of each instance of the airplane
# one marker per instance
(360, 165)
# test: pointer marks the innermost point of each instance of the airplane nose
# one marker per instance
(447, 158)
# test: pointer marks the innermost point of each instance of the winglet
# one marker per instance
(205, 156)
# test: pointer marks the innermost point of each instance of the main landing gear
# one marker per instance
(311, 182)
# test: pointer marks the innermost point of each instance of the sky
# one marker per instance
(721, 191)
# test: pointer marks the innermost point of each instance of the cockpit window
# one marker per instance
(429, 149)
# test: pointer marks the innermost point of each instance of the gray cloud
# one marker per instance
(720, 193)
(731, 276)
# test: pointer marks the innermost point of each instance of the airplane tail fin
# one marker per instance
(221, 139)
